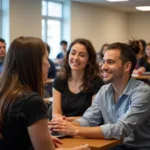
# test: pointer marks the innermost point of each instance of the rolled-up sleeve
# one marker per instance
(135, 117)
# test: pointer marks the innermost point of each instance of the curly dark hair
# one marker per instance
(91, 69)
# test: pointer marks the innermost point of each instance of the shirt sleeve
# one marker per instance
(136, 115)
(98, 83)
(34, 110)
(58, 84)
(93, 115)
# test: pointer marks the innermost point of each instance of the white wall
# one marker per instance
(25, 18)
(100, 25)
(139, 25)
(95, 23)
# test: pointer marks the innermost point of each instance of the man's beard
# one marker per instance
(2, 58)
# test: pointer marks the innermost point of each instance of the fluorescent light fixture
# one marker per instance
(143, 8)
(117, 0)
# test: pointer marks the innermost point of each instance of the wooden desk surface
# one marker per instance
(48, 81)
(95, 144)
(141, 77)
(48, 100)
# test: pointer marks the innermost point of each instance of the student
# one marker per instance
(121, 109)
(52, 69)
(2, 53)
(144, 62)
(103, 50)
(23, 114)
(142, 45)
(63, 52)
(77, 83)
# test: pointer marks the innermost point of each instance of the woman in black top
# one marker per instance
(78, 81)
(23, 114)
(144, 63)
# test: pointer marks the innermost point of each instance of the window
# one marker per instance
(52, 25)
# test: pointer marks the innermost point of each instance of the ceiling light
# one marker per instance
(143, 8)
(117, 0)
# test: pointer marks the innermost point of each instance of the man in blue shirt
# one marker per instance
(121, 109)
(2, 53)
(63, 52)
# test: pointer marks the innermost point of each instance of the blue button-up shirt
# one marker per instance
(129, 118)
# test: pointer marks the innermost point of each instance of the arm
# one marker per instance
(57, 111)
(135, 118)
(68, 128)
(41, 139)
(93, 97)
(72, 118)
(92, 117)
(40, 136)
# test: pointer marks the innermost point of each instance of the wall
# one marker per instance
(25, 18)
(139, 25)
(100, 25)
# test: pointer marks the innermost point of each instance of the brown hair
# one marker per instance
(91, 70)
(22, 71)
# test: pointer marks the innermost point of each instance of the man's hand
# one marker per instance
(63, 126)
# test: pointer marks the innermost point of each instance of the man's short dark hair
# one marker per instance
(127, 53)
(2, 40)
(63, 42)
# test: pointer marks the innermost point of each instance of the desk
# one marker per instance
(141, 77)
(48, 100)
(95, 144)
(49, 81)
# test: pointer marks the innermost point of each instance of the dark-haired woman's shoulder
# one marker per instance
(34, 108)
(140, 62)
(59, 83)
(97, 84)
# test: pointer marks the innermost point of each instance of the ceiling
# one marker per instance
(126, 6)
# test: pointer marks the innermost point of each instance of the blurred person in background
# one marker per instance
(144, 62)
(2, 53)
(63, 52)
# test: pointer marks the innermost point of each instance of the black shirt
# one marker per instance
(143, 63)
(24, 112)
(75, 104)
(52, 69)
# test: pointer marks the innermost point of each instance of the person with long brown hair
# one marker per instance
(23, 113)
(78, 81)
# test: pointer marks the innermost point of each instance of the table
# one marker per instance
(48, 100)
(49, 81)
(141, 77)
(94, 144)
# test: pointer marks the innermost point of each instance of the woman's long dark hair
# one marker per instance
(22, 71)
(91, 70)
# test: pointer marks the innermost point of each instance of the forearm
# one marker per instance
(89, 132)
(72, 119)
(75, 123)
(57, 115)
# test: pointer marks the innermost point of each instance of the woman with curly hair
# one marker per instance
(78, 81)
